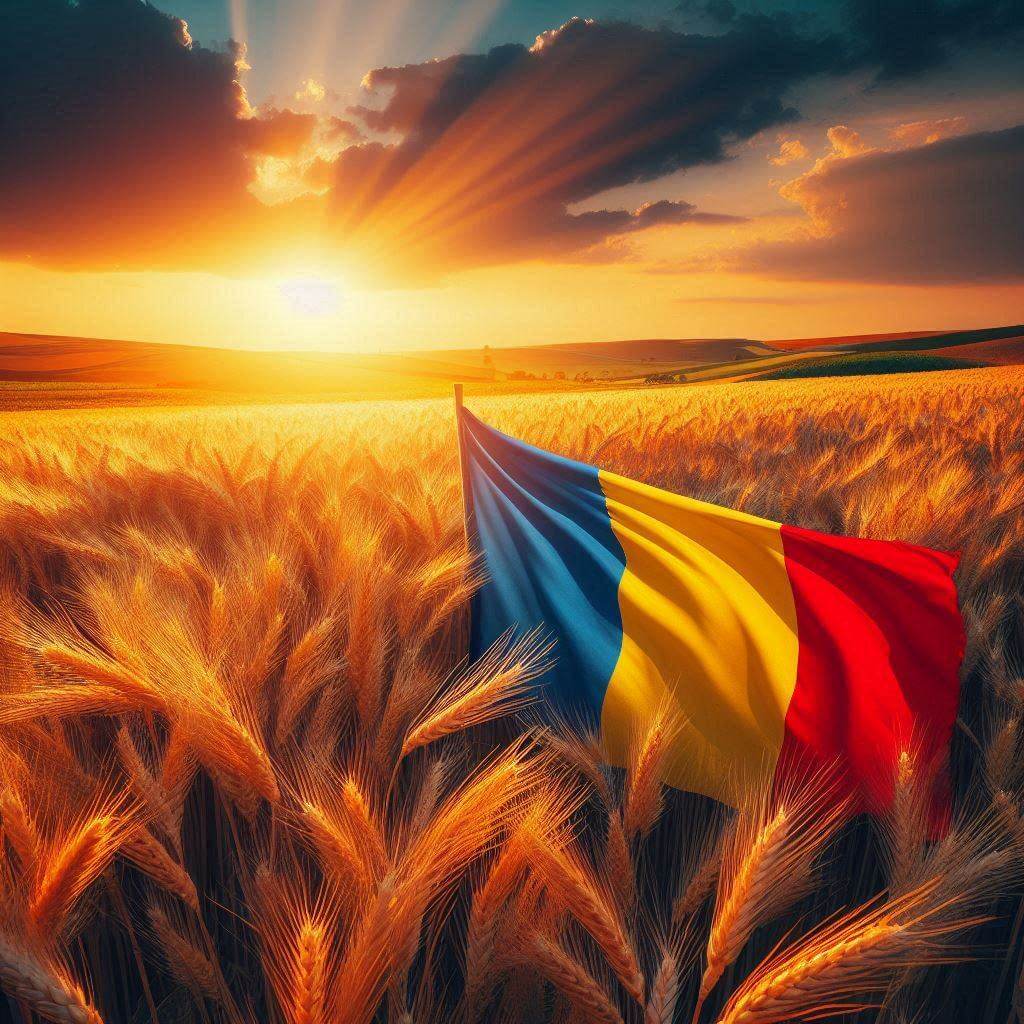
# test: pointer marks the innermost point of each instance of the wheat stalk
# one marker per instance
(186, 961)
(588, 998)
(767, 866)
(45, 988)
(649, 752)
(844, 959)
(150, 856)
(495, 685)
(20, 828)
(66, 872)
(574, 884)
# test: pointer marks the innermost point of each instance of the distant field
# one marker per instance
(797, 344)
(858, 363)
(42, 372)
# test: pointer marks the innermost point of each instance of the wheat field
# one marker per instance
(246, 774)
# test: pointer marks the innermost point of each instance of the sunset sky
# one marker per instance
(403, 174)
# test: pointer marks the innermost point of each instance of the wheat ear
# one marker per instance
(310, 985)
(735, 915)
(102, 671)
(484, 921)
(366, 830)
(45, 989)
(664, 994)
(618, 863)
(66, 873)
(846, 959)
(187, 963)
(495, 685)
(150, 856)
(906, 822)
(702, 882)
(648, 756)
(588, 998)
(335, 848)
(567, 877)
(305, 670)
(20, 828)
(768, 865)
(145, 786)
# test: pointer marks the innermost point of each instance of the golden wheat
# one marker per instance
(254, 620)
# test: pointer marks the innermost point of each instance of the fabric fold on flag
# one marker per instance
(784, 651)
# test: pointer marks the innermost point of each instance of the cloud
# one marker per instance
(845, 142)
(126, 144)
(904, 38)
(790, 151)
(496, 148)
(311, 91)
(924, 133)
(718, 12)
(666, 212)
(946, 212)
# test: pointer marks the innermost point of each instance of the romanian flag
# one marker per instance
(783, 649)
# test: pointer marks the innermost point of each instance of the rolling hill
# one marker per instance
(43, 370)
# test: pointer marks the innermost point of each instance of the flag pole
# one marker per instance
(466, 628)
(467, 506)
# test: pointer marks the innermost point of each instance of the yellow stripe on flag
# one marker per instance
(709, 624)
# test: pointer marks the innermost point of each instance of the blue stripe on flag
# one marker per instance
(540, 524)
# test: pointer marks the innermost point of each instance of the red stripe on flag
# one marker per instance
(881, 641)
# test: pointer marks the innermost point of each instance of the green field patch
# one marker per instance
(868, 363)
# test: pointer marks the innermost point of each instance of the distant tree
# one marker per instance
(559, 374)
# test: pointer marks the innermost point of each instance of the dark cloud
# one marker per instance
(903, 38)
(667, 212)
(720, 12)
(122, 142)
(495, 148)
(949, 212)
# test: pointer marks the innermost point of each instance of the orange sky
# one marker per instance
(605, 182)
(525, 304)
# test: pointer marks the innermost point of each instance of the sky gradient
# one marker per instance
(322, 174)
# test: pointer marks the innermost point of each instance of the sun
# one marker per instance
(310, 296)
